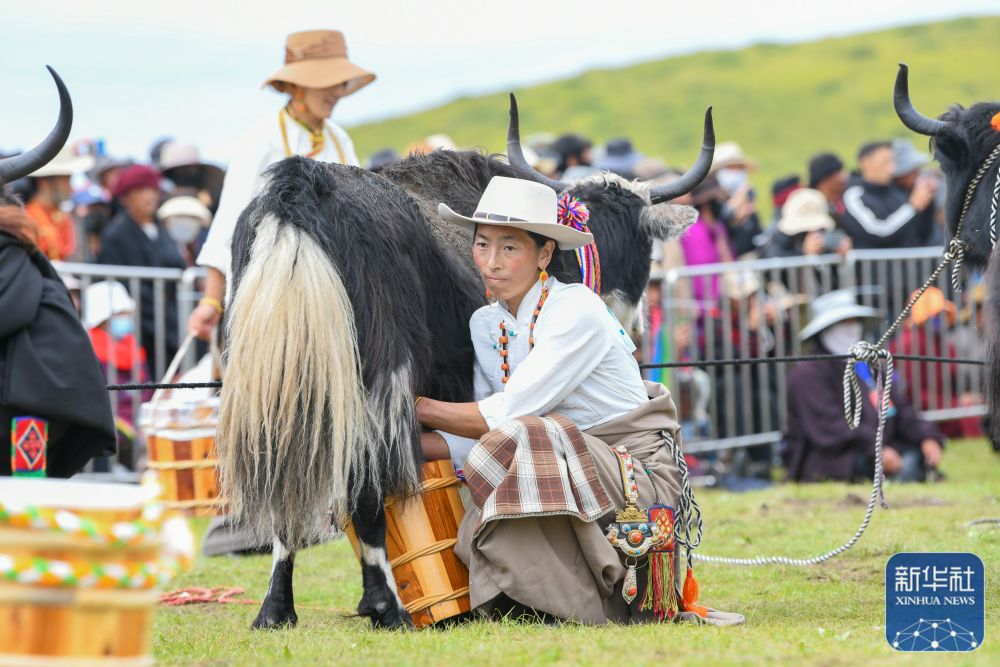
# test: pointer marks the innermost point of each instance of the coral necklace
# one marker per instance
(505, 339)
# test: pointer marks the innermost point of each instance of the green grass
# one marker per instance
(783, 103)
(831, 614)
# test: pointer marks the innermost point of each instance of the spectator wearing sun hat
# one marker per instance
(731, 167)
(135, 238)
(48, 190)
(186, 220)
(316, 75)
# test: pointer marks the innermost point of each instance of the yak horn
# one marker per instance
(696, 174)
(30, 161)
(516, 157)
(912, 118)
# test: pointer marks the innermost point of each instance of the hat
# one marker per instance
(805, 211)
(383, 158)
(134, 177)
(823, 166)
(740, 284)
(782, 189)
(182, 165)
(620, 157)
(513, 202)
(832, 307)
(185, 206)
(65, 163)
(649, 168)
(318, 59)
(930, 304)
(906, 158)
(730, 154)
(103, 300)
(103, 164)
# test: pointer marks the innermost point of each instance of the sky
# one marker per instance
(192, 69)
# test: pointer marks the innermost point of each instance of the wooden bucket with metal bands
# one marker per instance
(421, 533)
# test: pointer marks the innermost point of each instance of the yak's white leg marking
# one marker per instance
(375, 557)
(278, 554)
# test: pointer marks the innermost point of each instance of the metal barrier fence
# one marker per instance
(722, 407)
(158, 282)
(756, 309)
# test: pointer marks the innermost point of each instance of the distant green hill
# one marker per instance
(782, 103)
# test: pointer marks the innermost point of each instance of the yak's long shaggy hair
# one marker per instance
(333, 327)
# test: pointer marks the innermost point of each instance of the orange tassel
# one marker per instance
(690, 599)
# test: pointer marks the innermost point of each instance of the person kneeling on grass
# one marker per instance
(573, 463)
(819, 443)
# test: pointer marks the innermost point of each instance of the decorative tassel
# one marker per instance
(690, 600)
(660, 596)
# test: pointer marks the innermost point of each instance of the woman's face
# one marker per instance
(508, 260)
(320, 101)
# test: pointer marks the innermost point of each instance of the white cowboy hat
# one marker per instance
(512, 202)
(833, 307)
(806, 210)
(103, 300)
(65, 163)
(187, 207)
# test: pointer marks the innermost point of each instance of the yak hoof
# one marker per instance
(390, 617)
(271, 618)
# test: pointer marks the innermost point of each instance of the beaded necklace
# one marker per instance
(505, 339)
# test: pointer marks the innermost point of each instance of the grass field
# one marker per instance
(783, 103)
(830, 614)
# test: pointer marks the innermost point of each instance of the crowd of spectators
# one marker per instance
(89, 206)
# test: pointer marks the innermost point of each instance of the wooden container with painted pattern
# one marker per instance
(421, 533)
(42, 623)
(185, 464)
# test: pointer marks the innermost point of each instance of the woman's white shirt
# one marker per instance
(581, 365)
(257, 150)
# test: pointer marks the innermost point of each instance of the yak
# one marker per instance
(966, 143)
(350, 296)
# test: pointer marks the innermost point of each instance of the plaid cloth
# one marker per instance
(535, 466)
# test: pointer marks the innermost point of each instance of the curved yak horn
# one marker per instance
(21, 165)
(904, 108)
(696, 174)
(516, 157)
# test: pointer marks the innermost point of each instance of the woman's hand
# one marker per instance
(435, 447)
(462, 419)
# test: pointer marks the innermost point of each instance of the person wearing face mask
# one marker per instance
(50, 190)
(136, 238)
(109, 316)
(731, 168)
(316, 75)
(186, 220)
(819, 444)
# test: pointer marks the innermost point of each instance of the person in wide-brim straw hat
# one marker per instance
(547, 344)
(316, 75)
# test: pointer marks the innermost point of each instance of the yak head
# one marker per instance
(19, 166)
(626, 217)
(965, 142)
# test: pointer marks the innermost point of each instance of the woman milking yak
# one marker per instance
(581, 503)
(582, 509)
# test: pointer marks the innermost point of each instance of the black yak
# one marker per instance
(349, 298)
(966, 143)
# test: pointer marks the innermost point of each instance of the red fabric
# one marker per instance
(125, 352)
(134, 177)
(56, 236)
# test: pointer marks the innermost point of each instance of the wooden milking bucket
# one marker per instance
(421, 533)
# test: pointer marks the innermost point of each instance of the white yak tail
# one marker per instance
(292, 421)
